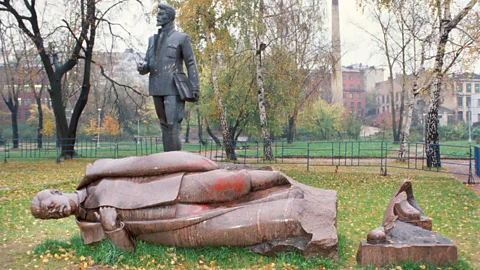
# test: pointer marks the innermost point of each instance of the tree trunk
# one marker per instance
(215, 139)
(408, 122)
(228, 144)
(392, 106)
(432, 148)
(267, 145)
(38, 99)
(200, 131)
(187, 132)
(292, 126)
(14, 117)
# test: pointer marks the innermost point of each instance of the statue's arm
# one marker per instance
(191, 64)
(115, 230)
(143, 67)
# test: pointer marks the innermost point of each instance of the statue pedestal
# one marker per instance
(408, 243)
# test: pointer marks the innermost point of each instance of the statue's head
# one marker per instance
(52, 204)
(165, 15)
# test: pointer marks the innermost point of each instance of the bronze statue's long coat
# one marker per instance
(165, 56)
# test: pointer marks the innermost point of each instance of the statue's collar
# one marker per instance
(168, 28)
(81, 195)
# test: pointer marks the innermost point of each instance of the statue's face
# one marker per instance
(53, 204)
(163, 18)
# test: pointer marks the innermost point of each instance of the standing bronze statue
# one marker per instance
(183, 199)
(170, 87)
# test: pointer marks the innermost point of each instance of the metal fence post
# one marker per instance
(58, 156)
(308, 156)
(381, 159)
(470, 174)
(5, 152)
(244, 153)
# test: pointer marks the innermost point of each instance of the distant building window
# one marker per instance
(383, 99)
(478, 105)
(358, 77)
(383, 108)
(351, 95)
(344, 95)
(343, 77)
(27, 102)
(388, 108)
(350, 77)
(358, 87)
(351, 86)
(459, 101)
(358, 95)
(468, 101)
(27, 114)
(388, 99)
(343, 86)
(469, 87)
(19, 102)
(352, 105)
(477, 88)
(359, 105)
(460, 116)
(460, 87)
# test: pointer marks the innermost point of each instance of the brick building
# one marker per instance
(353, 91)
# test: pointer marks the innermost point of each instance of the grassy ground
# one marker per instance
(362, 197)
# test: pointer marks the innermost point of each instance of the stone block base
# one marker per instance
(408, 243)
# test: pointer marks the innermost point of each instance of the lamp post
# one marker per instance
(98, 135)
(138, 131)
(424, 126)
(470, 121)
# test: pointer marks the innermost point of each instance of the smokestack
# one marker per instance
(337, 81)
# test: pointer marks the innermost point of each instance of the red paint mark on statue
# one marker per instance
(223, 184)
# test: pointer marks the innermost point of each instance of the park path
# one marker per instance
(455, 169)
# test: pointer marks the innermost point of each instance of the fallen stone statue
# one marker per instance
(405, 236)
(186, 200)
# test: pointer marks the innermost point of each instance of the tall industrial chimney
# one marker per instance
(337, 81)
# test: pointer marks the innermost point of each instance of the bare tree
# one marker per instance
(16, 74)
(82, 29)
(445, 26)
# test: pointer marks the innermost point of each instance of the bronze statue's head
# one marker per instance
(165, 15)
(52, 204)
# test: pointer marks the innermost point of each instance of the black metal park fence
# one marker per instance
(455, 158)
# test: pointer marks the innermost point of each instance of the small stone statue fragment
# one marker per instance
(405, 236)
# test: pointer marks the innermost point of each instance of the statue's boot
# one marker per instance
(406, 212)
(171, 137)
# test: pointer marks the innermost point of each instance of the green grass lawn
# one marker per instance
(363, 194)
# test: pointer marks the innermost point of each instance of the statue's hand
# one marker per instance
(196, 95)
(141, 67)
(108, 218)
